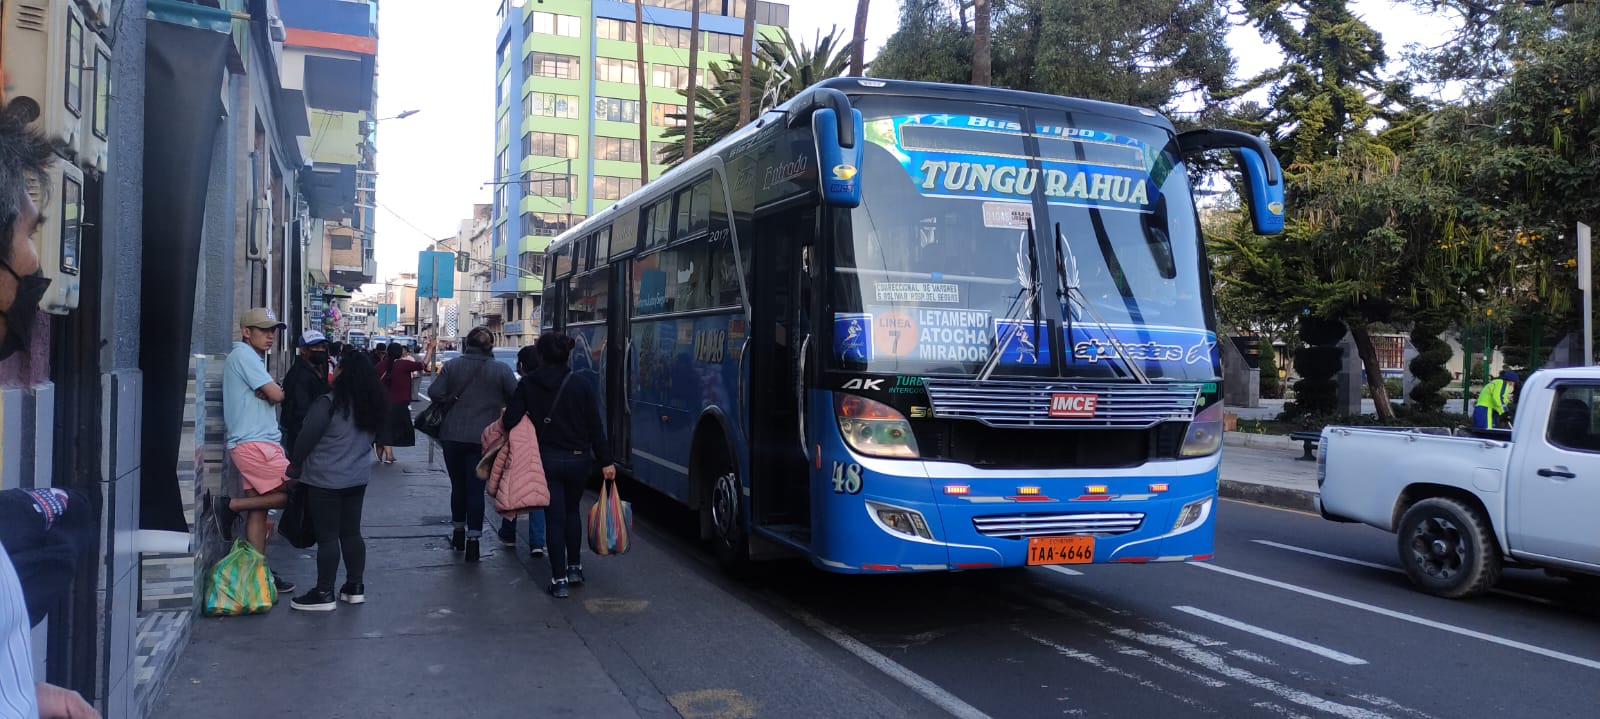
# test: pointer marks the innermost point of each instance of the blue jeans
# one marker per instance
(508, 528)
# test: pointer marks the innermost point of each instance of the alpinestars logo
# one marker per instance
(871, 385)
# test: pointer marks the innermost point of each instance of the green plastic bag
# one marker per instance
(240, 584)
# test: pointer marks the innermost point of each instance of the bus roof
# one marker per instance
(858, 86)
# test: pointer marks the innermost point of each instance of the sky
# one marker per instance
(432, 165)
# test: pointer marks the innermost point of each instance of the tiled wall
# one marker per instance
(171, 584)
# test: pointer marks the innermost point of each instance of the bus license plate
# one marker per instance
(1060, 550)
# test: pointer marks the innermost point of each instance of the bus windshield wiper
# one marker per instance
(1028, 296)
(1071, 294)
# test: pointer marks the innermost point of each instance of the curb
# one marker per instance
(1302, 500)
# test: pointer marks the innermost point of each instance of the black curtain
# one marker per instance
(183, 113)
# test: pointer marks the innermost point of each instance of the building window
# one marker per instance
(614, 188)
(767, 13)
(608, 29)
(676, 4)
(674, 76)
(546, 224)
(616, 110)
(544, 104)
(529, 263)
(545, 23)
(724, 43)
(550, 144)
(502, 166)
(545, 64)
(669, 36)
(616, 148)
(505, 93)
(549, 184)
(658, 152)
(503, 128)
(665, 115)
(503, 55)
(614, 70)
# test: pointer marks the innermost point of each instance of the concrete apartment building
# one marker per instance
(568, 114)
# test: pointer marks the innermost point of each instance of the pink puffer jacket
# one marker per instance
(512, 468)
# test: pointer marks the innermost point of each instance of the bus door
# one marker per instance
(779, 481)
(619, 363)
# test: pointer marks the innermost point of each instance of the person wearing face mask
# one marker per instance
(25, 155)
(303, 384)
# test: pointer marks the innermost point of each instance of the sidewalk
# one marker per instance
(1266, 469)
(440, 638)
(433, 635)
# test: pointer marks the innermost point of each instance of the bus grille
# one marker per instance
(1017, 526)
(1023, 403)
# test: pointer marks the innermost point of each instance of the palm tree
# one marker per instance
(694, 71)
(644, 102)
(858, 49)
(982, 68)
(780, 70)
(748, 61)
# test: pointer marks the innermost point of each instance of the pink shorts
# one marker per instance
(261, 465)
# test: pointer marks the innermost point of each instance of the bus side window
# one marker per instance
(724, 272)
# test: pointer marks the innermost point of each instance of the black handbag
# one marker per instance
(295, 523)
(430, 421)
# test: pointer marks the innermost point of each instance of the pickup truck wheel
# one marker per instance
(1448, 549)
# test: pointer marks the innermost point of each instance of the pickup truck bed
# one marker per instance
(1393, 459)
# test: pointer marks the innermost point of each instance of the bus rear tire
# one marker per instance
(729, 541)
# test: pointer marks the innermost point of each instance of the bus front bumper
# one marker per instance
(917, 516)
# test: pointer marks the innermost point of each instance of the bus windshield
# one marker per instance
(1066, 240)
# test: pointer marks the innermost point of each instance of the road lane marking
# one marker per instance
(1206, 660)
(1451, 628)
(1063, 570)
(1317, 649)
(1397, 570)
(914, 681)
(1133, 651)
(1103, 665)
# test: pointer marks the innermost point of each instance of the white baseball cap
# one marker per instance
(311, 337)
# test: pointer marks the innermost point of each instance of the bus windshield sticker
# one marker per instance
(918, 292)
(1007, 215)
(971, 157)
(1020, 345)
(852, 336)
(1149, 346)
(927, 333)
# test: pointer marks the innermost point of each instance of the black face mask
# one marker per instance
(24, 310)
(319, 358)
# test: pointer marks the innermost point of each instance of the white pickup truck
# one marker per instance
(1465, 506)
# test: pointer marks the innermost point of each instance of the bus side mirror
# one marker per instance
(839, 156)
(1264, 185)
(1266, 196)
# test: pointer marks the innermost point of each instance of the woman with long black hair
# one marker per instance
(565, 410)
(332, 453)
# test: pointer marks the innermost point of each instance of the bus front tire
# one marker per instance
(726, 508)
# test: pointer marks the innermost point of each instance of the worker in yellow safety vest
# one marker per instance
(1493, 401)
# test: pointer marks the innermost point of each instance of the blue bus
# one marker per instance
(897, 327)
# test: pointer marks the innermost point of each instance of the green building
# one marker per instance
(567, 113)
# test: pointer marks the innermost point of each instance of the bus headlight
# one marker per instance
(899, 519)
(1191, 513)
(874, 428)
(1205, 433)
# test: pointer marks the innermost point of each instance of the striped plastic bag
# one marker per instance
(240, 584)
(610, 519)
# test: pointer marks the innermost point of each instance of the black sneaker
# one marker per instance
(558, 588)
(353, 593)
(316, 600)
(508, 538)
(284, 586)
(473, 549)
(224, 516)
(536, 552)
(574, 574)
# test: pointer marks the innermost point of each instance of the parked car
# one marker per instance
(508, 357)
(1465, 505)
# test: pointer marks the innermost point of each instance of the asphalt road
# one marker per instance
(1297, 617)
